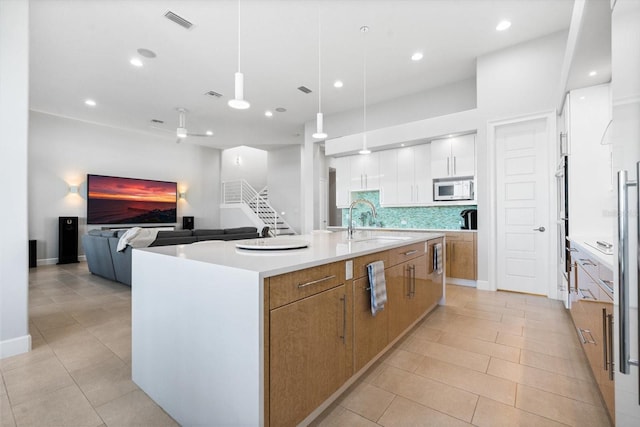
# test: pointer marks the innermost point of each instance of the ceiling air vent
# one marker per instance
(178, 20)
(304, 89)
(214, 94)
(157, 121)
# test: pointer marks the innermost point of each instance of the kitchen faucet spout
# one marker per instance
(350, 227)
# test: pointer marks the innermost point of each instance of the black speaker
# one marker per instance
(33, 254)
(187, 222)
(67, 239)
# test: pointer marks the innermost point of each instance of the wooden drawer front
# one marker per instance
(289, 287)
(405, 253)
(360, 263)
(463, 237)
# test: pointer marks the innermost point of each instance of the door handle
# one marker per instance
(540, 229)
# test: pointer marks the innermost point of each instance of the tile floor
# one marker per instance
(485, 359)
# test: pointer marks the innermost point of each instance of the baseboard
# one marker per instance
(461, 282)
(483, 285)
(15, 346)
(54, 261)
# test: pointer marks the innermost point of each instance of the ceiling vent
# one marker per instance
(304, 89)
(178, 20)
(157, 121)
(213, 94)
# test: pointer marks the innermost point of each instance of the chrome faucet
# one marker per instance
(350, 226)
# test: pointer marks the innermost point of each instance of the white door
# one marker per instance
(522, 201)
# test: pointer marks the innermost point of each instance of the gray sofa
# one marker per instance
(103, 258)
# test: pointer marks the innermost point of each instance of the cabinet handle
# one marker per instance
(610, 345)
(413, 281)
(343, 337)
(587, 262)
(411, 252)
(575, 273)
(573, 250)
(313, 282)
(605, 329)
(583, 339)
(366, 181)
(454, 165)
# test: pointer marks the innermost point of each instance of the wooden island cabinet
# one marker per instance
(229, 337)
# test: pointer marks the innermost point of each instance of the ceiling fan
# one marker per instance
(181, 130)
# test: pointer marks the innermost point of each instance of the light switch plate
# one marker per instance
(348, 270)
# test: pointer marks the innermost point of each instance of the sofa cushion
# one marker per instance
(240, 230)
(178, 233)
(168, 241)
(205, 232)
(101, 233)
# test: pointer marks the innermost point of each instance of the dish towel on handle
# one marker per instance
(437, 258)
(378, 286)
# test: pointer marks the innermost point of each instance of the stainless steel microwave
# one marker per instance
(453, 190)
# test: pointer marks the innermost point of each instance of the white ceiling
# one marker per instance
(81, 49)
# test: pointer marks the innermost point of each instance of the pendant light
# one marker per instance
(181, 132)
(320, 134)
(364, 29)
(239, 102)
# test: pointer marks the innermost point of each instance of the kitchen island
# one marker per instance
(230, 336)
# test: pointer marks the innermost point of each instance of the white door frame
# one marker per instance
(550, 117)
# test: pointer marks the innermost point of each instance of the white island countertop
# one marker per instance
(322, 248)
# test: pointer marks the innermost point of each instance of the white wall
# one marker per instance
(519, 80)
(245, 163)
(284, 180)
(63, 151)
(14, 108)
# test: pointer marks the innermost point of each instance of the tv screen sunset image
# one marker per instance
(114, 200)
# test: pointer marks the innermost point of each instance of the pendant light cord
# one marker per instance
(319, 64)
(238, 35)
(364, 32)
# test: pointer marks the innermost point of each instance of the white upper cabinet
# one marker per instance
(388, 168)
(365, 174)
(404, 176)
(451, 157)
(343, 182)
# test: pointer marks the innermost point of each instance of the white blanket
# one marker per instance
(137, 237)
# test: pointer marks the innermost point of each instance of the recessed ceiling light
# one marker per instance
(417, 56)
(582, 98)
(136, 62)
(401, 145)
(338, 84)
(268, 113)
(450, 135)
(90, 102)
(209, 133)
(503, 25)
(593, 73)
(147, 53)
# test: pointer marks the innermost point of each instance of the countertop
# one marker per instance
(585, 242)
(323, 248)
(409, 230)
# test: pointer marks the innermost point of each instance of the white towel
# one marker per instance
(437, 258)
(137, 237)
(378, 286)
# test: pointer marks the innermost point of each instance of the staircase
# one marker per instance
(241, 192)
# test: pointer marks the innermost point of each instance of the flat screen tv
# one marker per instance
(114, 200)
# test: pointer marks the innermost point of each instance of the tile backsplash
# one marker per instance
(434, 217)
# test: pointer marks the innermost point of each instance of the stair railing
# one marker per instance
(242, 192)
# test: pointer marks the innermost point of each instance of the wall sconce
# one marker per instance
(73, 189)
(182, 195)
